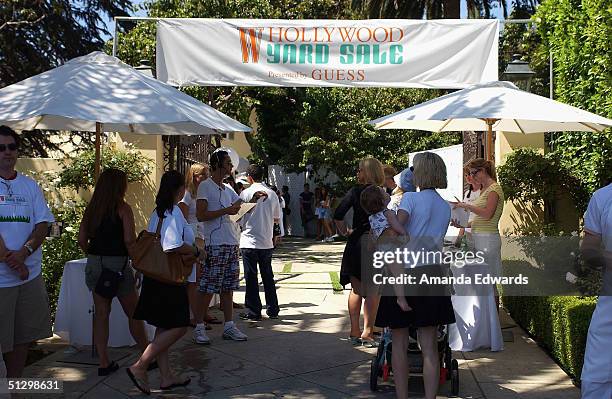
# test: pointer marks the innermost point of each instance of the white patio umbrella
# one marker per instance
(97, 92)
(499, 106)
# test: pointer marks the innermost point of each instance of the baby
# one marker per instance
(384, 223)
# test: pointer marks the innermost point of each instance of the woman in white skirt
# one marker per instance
(487, 210)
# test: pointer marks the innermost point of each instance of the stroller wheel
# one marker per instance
(454, 376)
(374, 370)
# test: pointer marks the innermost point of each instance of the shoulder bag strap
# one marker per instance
(159, 226)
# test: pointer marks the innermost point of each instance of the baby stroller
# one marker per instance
(381, 364)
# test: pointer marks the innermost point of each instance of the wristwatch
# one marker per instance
(29, 248)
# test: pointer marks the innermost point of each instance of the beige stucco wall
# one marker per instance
(140, 195)
(238, 142)
(516, 213)
(39, 166)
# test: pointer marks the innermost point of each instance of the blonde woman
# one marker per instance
(487, 210)
(370, 172)
(196, 174)
(425, 217)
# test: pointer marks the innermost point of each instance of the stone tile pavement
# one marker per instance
(305, 354)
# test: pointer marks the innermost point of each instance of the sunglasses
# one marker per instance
(10, 147)
(473, 172)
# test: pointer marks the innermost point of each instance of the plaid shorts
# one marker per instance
(221, 269)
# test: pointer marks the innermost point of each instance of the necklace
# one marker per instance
(9, 191)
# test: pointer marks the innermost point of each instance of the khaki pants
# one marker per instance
(25, 315)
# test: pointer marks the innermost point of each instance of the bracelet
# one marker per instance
(28, 248)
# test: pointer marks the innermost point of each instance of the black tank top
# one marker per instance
(108, 239)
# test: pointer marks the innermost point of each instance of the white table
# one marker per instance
(73, 318)
(477, 321)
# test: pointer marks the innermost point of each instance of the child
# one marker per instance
(384, 223)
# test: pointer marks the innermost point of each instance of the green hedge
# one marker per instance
(558, 323)
(58, 251)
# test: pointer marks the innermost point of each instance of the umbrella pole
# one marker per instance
(97, 159)
(490, 139)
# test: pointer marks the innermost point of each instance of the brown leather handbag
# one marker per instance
(149, 258)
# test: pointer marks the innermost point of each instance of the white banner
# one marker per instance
(388, 53)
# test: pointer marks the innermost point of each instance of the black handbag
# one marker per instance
(108, 282)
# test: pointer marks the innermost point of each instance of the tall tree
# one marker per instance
(37, 35)
(430, 9)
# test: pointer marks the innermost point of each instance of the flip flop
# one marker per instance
(105, 371)
(369, 343)
(176, 385)
(138, 382)
(355, 341)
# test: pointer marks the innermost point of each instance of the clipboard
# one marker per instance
(245, 208)
(461, 215)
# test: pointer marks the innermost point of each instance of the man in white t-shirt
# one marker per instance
(24, 218)
(257, 245)
(216, 201)
(596, 249)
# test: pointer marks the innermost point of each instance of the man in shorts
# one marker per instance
(24, 218)
(216, 201)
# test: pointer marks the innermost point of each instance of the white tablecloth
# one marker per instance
(73, 318)
(477, 323)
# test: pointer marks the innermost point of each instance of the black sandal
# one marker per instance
(138, 382)
(111, 368)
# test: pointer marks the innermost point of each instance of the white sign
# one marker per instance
(370, 53)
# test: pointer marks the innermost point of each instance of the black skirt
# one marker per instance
(163, 305)
(426, 311)
(351, 257)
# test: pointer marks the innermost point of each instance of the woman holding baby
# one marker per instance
(425, 217)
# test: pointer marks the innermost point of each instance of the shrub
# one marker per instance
(58, 251)
(558, 323)
(78, 171)
(530, 176)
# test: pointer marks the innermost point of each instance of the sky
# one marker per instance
(110, 23)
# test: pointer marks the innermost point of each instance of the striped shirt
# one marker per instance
(480, 224)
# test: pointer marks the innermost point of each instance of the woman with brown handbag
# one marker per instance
(164, 305)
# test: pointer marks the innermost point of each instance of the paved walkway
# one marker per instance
(304, 354)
